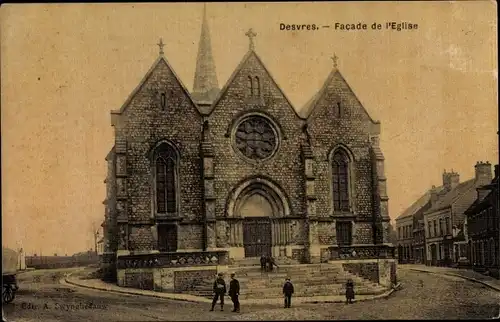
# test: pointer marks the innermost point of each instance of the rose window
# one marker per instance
(256, 138)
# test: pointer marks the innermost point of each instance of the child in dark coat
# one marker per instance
(219, 291)
(287, 292)
(349, 291)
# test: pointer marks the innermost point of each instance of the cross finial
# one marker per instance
(161, 45)
(334, 60)
(251, 34)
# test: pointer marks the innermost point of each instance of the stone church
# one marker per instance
(239, 170)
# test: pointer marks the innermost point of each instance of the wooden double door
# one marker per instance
(257, 236)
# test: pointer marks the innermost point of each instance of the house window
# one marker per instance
(399, 233)
(344, 233)
(447, 225)
(441, 230)
(429, 229)
(435, 227)
(166, 179)
(340, 177)
(338, 110)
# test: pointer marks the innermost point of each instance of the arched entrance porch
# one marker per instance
(260, 207)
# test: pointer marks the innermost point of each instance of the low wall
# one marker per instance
(170, 280)
(170, 272)
(381, 271)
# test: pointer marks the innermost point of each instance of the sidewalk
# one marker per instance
(467, 274)
(97, 284)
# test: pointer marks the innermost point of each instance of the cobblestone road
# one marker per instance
(423, 296)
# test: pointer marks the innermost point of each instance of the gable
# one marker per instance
(335, 89)
(160, 76)
(238, 84)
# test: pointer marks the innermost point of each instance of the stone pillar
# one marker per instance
(210, 242)
(313, 250)
(380, 198)
(121, 195)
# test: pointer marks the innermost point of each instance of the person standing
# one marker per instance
(234, 293)
(287, 292)
(263, 263)
(219, 292)
(349, 291)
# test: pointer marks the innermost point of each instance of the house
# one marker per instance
(411, 230)
(483, 222)
(445, 220)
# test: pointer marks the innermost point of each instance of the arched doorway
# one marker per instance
(257, 232)
(259, 203)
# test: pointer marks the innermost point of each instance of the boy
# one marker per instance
(219, 291)
(287, 292)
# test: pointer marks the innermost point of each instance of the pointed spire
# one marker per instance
(205, 86)
(251, 35)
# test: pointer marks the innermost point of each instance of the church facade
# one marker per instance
(239, 170)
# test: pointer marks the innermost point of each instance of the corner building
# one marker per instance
(237, 172)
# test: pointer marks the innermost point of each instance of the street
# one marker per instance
(422, 296)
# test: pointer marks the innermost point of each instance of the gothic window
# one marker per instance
(338, 110)
(256, 90)
(163, 101)
(256, 138)
(340, 177)
(344, 233)
(166, 179)
(250, 85)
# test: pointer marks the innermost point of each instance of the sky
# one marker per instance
(64, 67)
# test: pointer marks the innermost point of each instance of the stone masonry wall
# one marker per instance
(144, 123)
(285, 168)
(351, 131)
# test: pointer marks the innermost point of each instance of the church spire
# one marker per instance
(205, 86)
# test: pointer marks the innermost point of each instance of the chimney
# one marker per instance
(450, 180)
(483, 173)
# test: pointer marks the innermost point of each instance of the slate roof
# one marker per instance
(449, 198)
(419, 204)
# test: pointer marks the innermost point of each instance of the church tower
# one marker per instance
(206, 86)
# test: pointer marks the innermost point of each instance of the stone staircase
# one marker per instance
(308, 280)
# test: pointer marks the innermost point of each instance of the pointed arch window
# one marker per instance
(250, 86)
(340, 178)
(257, 86)
(166, 179)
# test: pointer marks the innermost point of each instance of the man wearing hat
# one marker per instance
(287, 292)
(234, 293)
(219, 291)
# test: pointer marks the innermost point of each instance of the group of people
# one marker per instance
(220, 290)
(234, 292)
(267, 263)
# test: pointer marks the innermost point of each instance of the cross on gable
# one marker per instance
(161, 45)
(334, 60)
(251, 35)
